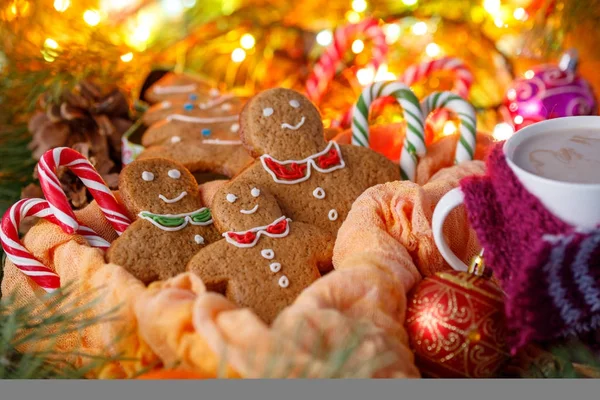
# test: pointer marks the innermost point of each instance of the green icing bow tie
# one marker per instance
(179, 221)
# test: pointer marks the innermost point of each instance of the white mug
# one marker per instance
(577, 204)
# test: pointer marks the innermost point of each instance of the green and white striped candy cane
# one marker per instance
(465, 149)
(414, 141)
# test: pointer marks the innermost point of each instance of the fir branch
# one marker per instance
(55, 315)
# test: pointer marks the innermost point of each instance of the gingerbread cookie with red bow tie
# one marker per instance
(314, 181)
(265, 259)
(172, 223)
(201, 133)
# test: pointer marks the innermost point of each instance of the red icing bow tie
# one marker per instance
(279, 228)
(294, 171)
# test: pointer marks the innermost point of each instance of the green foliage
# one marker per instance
(58, 313)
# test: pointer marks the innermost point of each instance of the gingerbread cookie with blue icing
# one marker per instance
(202, 135)
(314, 181)
(265, 259)
(171, 223)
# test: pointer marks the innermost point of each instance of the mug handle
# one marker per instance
(447, 203)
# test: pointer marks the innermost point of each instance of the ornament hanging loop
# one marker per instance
(569, 60)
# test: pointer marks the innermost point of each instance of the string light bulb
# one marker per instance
(392, 33)
(325, 37)
(409, 2)
(503, 131)
(247, 41)
(420, 28)
(353, 17)
(365, 76)
(91, 17)
(520, 14)
(449, 128)
(238, 55)
(358, 46)
(127, 57)
(359, 5)
(492, 6)
(51, 44)
(61, 5)
(529, 74)
(432, 50)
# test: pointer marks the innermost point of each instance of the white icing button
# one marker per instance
(165, 104)
(231, 197)
(294, 103)
(319, 193)
(214, 92)
(333, 214)
(267, 253)
(174, 173)
(267, 112)
(147, 176)
(255, 192)
(275, 267)
(175, 139)
(284, 281)
(226, 107)
(199, 239)
(235, 127)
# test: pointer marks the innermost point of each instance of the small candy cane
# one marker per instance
(20, 256)
(64, 156)
(324, 71)
(465, 149)
(463, 76)
(414, 141)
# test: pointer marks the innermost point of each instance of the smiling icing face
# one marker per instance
(282, 123)
(240, 206)
(159, 186)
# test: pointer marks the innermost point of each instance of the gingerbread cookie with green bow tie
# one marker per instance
(314, 181)
(202, 133)
(171, 222)
(265, 259)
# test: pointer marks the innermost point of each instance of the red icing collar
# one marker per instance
(295, 171)
(279, 228)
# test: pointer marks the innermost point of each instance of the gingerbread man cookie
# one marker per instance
(314, 181)
(202, 135)
(172, 87)
(171, 226)
(265, 259)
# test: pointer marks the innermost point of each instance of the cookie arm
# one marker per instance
(210, 266)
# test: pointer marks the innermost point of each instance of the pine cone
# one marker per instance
(89, 121)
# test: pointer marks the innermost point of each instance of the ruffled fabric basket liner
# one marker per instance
(348, 323)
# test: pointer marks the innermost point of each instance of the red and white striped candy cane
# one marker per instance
(80, 166)
(463, 76)
(325, 69)
(20, 256)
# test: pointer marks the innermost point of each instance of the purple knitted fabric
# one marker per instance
(549, 271)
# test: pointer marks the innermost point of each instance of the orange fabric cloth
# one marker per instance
(383, 248)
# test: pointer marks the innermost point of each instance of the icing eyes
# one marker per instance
(294, 103)
(255, 192)
(267, 112)
(231, 197)
(174, 173)
(147, 176)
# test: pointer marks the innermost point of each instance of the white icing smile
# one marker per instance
(251, 211)
(173, 200)
(285, 125)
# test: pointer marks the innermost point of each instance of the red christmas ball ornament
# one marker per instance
(457, 327)
(549, 91)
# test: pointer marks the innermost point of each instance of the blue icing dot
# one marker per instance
(193, 97)
(188, 106)
(205, 132)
